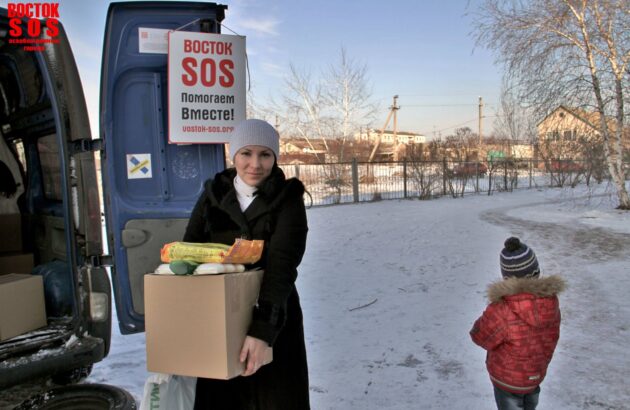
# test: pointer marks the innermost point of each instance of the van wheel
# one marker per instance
(72, 376)
(81, 397)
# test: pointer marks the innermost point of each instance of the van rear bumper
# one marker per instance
(49, 361)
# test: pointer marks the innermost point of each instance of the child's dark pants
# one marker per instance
(512, 401)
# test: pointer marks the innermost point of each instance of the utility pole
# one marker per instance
(392, 111)
(480, 117)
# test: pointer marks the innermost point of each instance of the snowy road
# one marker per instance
(591, 243)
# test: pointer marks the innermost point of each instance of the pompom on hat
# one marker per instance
(254, 132)
(518, 260)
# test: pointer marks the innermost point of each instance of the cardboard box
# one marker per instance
(195, 325)
(22, 306)
(16, 263)
(11, 237)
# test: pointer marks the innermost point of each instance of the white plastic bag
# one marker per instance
(204, 269)
(165, 391)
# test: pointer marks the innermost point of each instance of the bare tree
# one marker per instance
(347, 93)
(572, 52)
(334, 106)
(426, 176)
(463, 145)
(515, 121)
(561, 170)
(460, 147)
(304, 102)
(256, 110)
(331, 108)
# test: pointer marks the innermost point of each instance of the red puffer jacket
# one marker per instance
(520, 329)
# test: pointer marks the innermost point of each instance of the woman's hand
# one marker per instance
(254, 351)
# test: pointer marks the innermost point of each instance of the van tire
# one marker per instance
(72, 376)
(81, 397)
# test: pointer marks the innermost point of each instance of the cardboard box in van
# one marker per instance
(11, 227)
(196, 324)
(16, 263)
(22, 305)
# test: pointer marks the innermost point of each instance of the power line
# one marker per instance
(459, 125)
(440, 105)
(435, 95)
(451, 127)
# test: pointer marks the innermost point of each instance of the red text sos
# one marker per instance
(24, 18)
(208, 70)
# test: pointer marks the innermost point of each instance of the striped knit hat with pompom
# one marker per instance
(518, 260)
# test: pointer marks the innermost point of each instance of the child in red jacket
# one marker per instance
(520, 328)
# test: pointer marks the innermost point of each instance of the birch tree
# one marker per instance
(329, 109)
(333, 106)
(571, 52)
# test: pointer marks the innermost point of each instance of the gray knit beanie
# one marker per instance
(518, 260)
(254, 132)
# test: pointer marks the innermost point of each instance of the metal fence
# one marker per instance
(337, 183)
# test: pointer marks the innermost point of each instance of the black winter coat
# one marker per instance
(277, 215)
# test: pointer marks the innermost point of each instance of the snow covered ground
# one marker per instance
(390, 290)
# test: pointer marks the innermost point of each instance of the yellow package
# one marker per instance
(242, 251)
(195, 252)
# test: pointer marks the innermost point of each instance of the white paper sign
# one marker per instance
(153, 40)
(206, 86)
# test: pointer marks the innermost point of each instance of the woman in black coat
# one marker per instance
(254, 200)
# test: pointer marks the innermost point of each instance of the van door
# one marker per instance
(150, 186)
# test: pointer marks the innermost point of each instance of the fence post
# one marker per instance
(505, 177)
(477, 177)
(405, 177)
(297, 171)
(444, 170)
(355, 180)
(531, 171)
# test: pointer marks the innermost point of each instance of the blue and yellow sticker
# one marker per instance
(139, 166)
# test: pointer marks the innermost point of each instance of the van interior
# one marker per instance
(50, 219)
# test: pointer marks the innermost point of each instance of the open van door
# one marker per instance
(150, 186)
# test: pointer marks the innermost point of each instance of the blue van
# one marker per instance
(148, 185)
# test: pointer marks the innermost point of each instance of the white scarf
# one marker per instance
(244, 193)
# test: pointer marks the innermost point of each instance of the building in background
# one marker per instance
(565, 132)
(371, 135)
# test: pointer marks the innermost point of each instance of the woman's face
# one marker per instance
(254, 163)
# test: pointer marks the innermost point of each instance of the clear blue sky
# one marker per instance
(419, 49)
